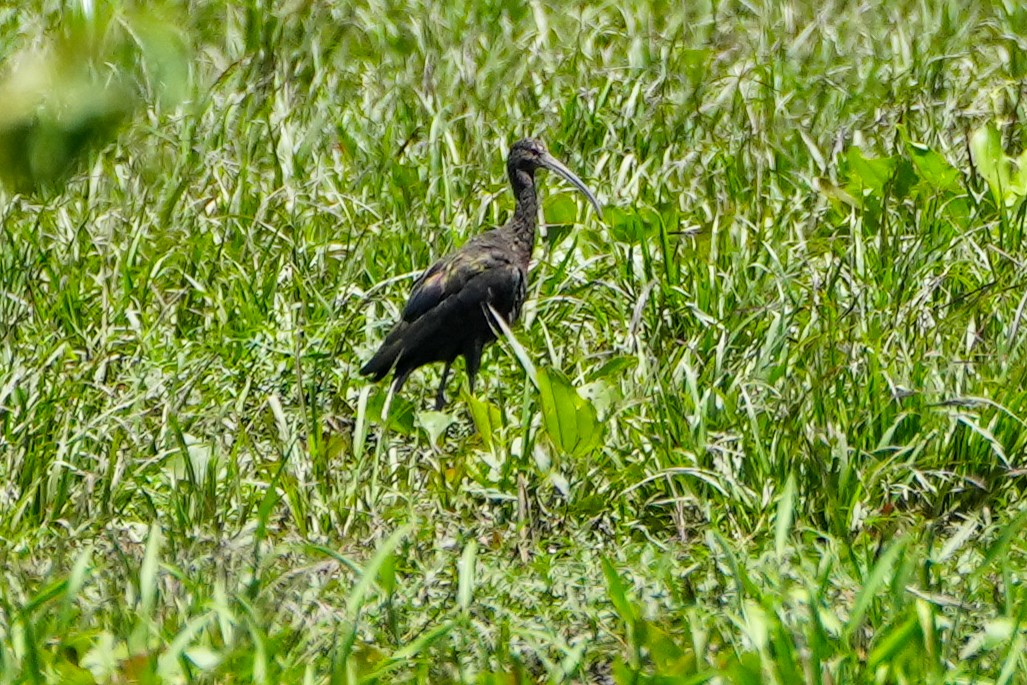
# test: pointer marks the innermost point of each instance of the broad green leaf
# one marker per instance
(401, 412)
(616, 367)
(465, 574)
(991, 161)
(387, 575)
(904, 178)
(435, 423)
(649, 220)
(561, 213)
(696, 63)
(1018, 183)
(934, 168)
(625, 225)
(569, 419)
(556, 233)
(870, 173)
(71, 674)
(487, 417)
(405, 176)
(560, 209)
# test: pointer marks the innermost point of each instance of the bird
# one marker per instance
(449, 312)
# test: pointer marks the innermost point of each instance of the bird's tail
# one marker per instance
(387, 356)
(382, 362)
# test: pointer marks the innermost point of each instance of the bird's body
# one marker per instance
(448, 313)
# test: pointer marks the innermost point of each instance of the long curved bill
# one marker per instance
(555, 165)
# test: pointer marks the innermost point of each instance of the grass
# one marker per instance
(792, 348)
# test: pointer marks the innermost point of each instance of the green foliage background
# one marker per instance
(779, 428)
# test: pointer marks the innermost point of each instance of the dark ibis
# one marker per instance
(449, 311)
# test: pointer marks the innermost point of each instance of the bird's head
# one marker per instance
(530, 154)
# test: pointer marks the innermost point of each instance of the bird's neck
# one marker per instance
(526, 214)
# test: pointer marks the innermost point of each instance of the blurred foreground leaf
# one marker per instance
(69, 97)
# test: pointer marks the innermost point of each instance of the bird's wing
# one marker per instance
(449, 277)
(440, 318)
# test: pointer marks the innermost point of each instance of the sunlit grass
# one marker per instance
(792, 348)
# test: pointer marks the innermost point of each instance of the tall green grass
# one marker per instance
(791, 349)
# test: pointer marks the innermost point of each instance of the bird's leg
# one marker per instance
(473, 359)
(401, 378)
(440, 396)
